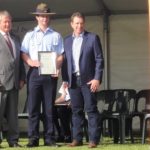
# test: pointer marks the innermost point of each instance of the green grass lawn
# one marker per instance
(106, 144)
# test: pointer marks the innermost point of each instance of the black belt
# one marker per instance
(33, 67)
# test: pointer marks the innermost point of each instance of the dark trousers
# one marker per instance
(64, 114)
(9, 111)
(42, 92)
(84, 101)
(63, 123)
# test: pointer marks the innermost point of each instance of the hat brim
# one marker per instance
(37, 13)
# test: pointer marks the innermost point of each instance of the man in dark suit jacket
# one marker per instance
(12, 77)
(82, 72)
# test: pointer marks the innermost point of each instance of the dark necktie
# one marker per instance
(9, 44)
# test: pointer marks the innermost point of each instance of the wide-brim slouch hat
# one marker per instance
(42, 9)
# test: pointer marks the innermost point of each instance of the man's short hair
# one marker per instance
(77, 14)
(4, 13)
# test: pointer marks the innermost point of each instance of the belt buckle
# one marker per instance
(77, 74)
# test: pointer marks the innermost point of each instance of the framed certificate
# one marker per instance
(47, 62)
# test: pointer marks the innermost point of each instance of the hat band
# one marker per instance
(42, 11)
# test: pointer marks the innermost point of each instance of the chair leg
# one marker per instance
(115, 130)
(141, 124)
(110, 127)
(143, 131)
(131, 134)
(131, 131)
(103, 125)
(1, 136)
(122, 128)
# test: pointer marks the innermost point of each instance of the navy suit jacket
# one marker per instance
(91, 62)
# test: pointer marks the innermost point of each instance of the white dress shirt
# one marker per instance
(76, 50)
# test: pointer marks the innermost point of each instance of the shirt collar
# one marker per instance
(37, 29)
(3, 33)
(81, 35)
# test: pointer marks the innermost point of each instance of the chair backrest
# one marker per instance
(125, 100)
(105, 100)
(142, 100)
(117, 100)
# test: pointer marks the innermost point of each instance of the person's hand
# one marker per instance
(21, 84)
(57, 73)
(65, 85)
(94, 85)
(69, 103)
(34, 63)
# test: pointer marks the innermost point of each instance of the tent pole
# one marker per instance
(106, 51)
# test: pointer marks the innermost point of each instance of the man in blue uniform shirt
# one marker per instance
(41, 88)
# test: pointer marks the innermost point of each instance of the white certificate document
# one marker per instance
(47, 63)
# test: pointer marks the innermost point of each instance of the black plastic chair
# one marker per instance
(142, 110)
(119, 110)
(125, 105)
(145, 120)
(105, 100)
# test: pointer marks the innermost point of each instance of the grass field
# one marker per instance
(106, 144)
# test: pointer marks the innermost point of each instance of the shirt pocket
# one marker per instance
(34, 46)
(55, 41)
(49, 47)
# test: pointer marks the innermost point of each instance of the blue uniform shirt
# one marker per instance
(37, 40)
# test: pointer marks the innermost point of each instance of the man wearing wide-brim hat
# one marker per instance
(41, 87)
(42, 9)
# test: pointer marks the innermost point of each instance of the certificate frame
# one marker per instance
(47, 61)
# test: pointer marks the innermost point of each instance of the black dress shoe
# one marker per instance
(60, 139)
(33, 143)
(52, 144)
(14, 145)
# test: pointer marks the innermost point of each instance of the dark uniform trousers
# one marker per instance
(42, 92)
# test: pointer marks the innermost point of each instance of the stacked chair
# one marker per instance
(118, 106)
(142, 110)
